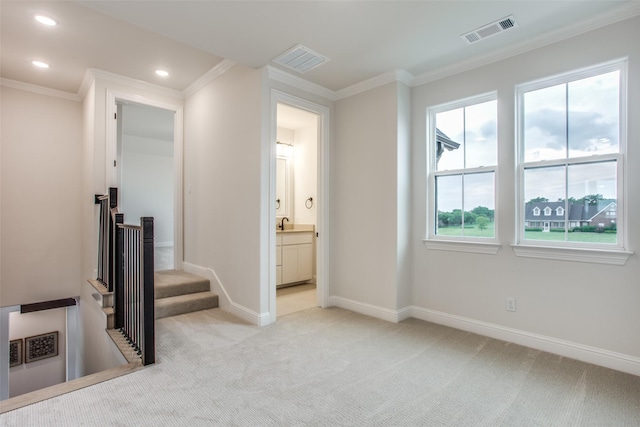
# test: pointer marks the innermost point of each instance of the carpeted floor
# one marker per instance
(332, 367)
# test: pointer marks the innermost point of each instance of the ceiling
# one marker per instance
(362, 39)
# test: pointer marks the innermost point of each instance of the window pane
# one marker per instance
(545, 124)
(479, 205)
(449, 205)
(594, 115)
(544, 193)
(592, 195)
(451, 126)
(481, 134)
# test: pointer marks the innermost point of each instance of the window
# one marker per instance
(462, 169)
(571, 145)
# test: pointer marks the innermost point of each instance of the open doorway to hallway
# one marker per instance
(296, 208)
(145, 162)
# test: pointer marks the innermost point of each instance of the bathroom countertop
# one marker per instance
(296, 228)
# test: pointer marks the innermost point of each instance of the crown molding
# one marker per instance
(613, 16)
(219, 69)
(300, 83)
(402, 76)
(40, 90)
(88, 79)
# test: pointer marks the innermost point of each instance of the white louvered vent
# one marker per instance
(300, 59)
(489, 30)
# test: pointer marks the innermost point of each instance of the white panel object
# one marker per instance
(297, 257)
(4, 349)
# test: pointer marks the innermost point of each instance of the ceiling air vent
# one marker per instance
(300, 59)
(489, 30)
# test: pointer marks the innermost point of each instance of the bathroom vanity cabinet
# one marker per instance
(294, 257)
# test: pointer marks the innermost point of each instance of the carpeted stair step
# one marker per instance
(171, 283)
(172, 306)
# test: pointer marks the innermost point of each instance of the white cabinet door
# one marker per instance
(278, 255)
(289, 263)
(305, 262)
(297, 263)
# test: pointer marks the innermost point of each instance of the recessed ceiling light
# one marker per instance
(45, 20)
(162, 73)
(40, 64)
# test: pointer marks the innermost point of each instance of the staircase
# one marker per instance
(179, 292)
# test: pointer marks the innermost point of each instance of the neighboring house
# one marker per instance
(444, 142)
(552, 215)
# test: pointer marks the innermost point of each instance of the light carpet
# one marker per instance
(332, 367)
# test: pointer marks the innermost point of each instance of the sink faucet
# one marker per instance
(282, 222)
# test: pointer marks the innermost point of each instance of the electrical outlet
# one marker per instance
(510, 304)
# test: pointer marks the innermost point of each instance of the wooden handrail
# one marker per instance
(48, 305)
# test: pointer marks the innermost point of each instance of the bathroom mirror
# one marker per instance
(283, 187)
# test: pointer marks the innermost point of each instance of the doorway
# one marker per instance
(296, 190)
(145, 173)
(300, 145)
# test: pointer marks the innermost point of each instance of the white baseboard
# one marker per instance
(597, 356)
(224, 300)
(369, 309)
(163, 244)
(594, 355)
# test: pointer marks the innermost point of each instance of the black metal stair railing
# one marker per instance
(134, 292)
(108, 207)
(125, 267)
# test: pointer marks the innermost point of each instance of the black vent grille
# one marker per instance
(507, 23)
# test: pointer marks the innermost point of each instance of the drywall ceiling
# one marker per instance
(86, 39)
(363, 39)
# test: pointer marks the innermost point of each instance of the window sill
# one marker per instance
(463, 246)
(612, 257)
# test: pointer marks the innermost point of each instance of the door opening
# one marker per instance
(296, 202)
(145, 172)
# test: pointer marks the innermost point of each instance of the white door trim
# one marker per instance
(112, 154)
(322, 242)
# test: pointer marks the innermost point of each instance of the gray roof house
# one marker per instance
(550, 215)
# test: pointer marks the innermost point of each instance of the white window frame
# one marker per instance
(573, 251)
(484, 245)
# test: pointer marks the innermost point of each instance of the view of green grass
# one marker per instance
(572, 237)
(469, 231)
(489, 232)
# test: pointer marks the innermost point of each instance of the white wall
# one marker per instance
(222, 181)
(99, 351)
(41, 201)
(147, 184)
(40, 373)
(364, 185)
(592, 305)
(305, 173)
(404, 192)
